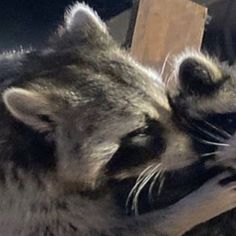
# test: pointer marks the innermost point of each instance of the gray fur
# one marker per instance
(64, 115)
(203, 99)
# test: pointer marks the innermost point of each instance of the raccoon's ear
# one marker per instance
(81, 18)
(29, 107)
(199, 75)
(83, 24)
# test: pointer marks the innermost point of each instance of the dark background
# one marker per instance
(28, 23)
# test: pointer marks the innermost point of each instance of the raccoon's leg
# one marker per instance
(207, 202)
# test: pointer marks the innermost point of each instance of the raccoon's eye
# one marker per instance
(45, 118)
(137, 148)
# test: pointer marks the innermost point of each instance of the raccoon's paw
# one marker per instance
(216, 196)
(213, 198)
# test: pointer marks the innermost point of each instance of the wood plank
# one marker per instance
(166, 27)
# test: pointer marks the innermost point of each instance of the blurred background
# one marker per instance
(28, 23)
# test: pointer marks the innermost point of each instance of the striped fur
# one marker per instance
(83, 124)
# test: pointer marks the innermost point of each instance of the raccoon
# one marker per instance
(203, 104)
(83, 124)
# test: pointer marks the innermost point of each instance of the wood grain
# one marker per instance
(166, 27)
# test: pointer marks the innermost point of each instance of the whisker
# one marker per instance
(150, 190)
(216, 137)
(161, 184)
(164, 65)
(221, 131)
(210, 142)
(170, 63)
(201, 140)
(139, 180)
(216, 144)
(142, 174)
(166, 78)
(209, 154)
(170, 78)
(134, 206)
(140, 188)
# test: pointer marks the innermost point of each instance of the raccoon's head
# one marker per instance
(203, 100)
(88, 97)
(107, 116)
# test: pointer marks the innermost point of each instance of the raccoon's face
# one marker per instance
(203, 100)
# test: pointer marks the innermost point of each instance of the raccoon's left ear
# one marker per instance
(30, 107)
(82, 24)
(199, 75)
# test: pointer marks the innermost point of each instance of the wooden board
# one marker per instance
(166, 27)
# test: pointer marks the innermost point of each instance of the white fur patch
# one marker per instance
(81, 14)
